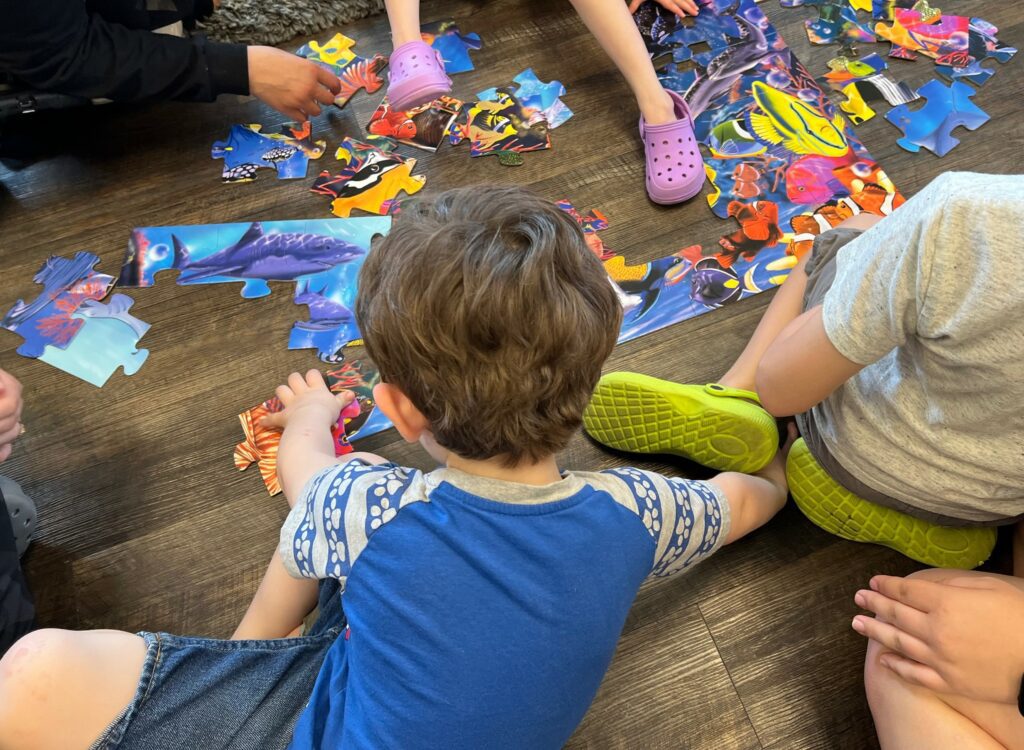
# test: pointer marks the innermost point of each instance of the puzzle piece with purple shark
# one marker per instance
(107, 341)
(247, 150)
(454, 46)
(48, 321)
(354, 71)
(371, 179)
(931, 126)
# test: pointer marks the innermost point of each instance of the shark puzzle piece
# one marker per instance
(372, 177)
(358, 420)
(540, 101)
(354, 71)
(108, 340)
(500, 127)
(331, 325)
(931, 126)
(253, 254)
(247, 149)
(454, 46)
(48, 321)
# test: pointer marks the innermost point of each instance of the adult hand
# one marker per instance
(964, 635)
(308, 395)
(10, 413)
(679, 7)
(292, 85)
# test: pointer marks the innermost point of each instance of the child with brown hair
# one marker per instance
(482, 600)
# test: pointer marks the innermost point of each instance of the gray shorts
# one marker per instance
(821, 273)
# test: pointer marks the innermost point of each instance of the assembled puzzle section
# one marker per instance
(931, 126)
(370, 180)
(247, 150)
(355, 72)
(48, 321)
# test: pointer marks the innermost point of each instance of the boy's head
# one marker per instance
(486, 309)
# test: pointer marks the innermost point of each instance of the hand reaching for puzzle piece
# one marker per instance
(10, 412)
(292, 85)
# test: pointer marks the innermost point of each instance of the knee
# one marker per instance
(30, 673)
(878, 680)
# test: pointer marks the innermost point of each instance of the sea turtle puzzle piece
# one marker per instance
(247, 149)
(454, 46)
(354, 71)
(500, 127)
(423, 127)
(371, 179)
(253, 254)
(48, 320)
(108, 340)
(931, 126)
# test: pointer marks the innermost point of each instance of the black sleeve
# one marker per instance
(56, 45)
(17, 613)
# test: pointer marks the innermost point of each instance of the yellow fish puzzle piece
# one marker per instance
(372, 199)
(855, 106)
(802, 129)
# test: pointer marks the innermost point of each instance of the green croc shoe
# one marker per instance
(837, 510)
(722, 428)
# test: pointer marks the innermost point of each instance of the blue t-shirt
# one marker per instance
(481, 613)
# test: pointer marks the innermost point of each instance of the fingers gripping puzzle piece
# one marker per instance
(48, 321)
(108, 340)
(454, 46)
(931, 126)
(371, 179)
(354, 71)
(247, 150)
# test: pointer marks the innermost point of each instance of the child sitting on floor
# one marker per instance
(482, 600)
(897, 343)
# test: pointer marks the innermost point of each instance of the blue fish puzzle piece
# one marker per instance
(540, 100)
(931, 126)
(107, 340)
(454, 46)
(48, 320)
(246, 150)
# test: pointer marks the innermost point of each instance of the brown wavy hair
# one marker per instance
(486, 308)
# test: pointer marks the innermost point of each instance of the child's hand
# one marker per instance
(10, 412)
(308, 397)
(681, 8)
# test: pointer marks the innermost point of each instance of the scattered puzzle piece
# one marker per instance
(591, 223)
(48, 320)
(371, 178)
(540, 101)
(423, 127)
(354, 71)
(107, 341)
(360, 419)
(837, 22)
(869, 76)
(500, 127)
(247, 149)
(454, 46)
(854, 106)
(931, 126)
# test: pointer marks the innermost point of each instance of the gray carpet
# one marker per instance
(262, 22)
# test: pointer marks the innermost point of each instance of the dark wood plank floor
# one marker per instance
(146, 524)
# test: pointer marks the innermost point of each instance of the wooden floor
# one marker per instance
(146, 524)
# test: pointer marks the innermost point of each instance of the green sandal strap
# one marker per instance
(717, 389)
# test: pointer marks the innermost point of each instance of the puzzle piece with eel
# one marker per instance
(48, 321)
(931, 126)
(108, 340)
(371, 179)
(354, 71)
(247, 149)
(454, 46)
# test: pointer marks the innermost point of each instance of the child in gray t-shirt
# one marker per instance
(900, 348)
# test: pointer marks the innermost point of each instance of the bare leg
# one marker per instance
(404, 16)
(784, 308)
(908, 716)
(612, 25)
(60, 689)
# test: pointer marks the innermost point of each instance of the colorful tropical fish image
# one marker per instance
(48, 320)
(499, 127)
(251, 253)
(540, 102)
(247, 149)
(423, 127)
(354, 71)
(370, 180)
(454, 46)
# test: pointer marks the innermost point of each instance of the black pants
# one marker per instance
(17, 612)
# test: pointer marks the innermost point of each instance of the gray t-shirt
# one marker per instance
(931, 301)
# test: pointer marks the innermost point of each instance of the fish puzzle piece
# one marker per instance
(837, 22)
(108, 340)
(500, 127)
(354, 71)
(856, 108)
(931, 126)
(540, 101)
(48, 321)
(370, 180)
(870, 77)
(247, 149)
(331, 325)
(360, 419)
(251, 253)
(454, 46)
(423, 127)
(591, 223)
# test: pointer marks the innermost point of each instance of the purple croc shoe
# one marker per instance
(675, 168)
(416, 76)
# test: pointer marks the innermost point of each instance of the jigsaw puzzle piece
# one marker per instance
(931, 126)
(541, 100)
(591, 223)
(423, 127)
(247, 149)
(48, 321)
(454, 46)
(371, 179)
(837, 22)
(355, 71)
(854, 105)
(108, 340)
(501, 127)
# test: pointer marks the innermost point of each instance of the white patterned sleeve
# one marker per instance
(688, 519)
(337, 512)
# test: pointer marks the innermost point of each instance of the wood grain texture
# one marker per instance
(146, 524)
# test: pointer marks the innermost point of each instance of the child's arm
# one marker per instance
(754, 499)
(306, 448)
